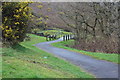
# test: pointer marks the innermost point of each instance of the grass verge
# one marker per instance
(27, 61)
(102, 56)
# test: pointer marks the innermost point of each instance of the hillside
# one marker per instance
(51, 10)
(27, 61)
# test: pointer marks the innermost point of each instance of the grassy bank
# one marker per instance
(97, 55)
(27, 61)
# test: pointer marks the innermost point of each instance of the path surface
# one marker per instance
(99, 68)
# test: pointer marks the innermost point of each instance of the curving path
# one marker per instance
(99, 68)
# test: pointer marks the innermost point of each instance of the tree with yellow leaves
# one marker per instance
(15, 17)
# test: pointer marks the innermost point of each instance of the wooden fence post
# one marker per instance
(63, 38)
(68, 37)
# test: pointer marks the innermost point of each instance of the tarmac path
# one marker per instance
(99, 68)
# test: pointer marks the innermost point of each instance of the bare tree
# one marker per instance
(93, 21)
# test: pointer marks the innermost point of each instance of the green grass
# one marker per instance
(27, 61)
(102, 56)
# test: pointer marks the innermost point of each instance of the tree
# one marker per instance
(94, 24)
(15, 17)
(39, 19)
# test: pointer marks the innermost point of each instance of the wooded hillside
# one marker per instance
(95, 24)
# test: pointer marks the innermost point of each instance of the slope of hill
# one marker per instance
(52, 11)
(27, 61)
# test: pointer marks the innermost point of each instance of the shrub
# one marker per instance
(14, 22)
